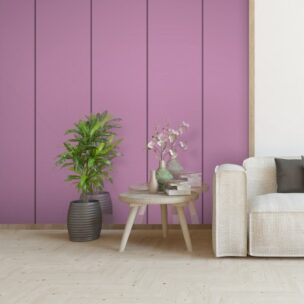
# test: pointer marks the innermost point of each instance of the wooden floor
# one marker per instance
(43, 267)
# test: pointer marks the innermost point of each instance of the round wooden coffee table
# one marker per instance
(143, 188)
(138, 200)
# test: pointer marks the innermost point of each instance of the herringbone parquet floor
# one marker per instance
(42, 267)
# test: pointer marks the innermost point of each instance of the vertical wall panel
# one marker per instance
(225, 87)
(175, 76)
(63, 96)
(119, 86)
(17, 111)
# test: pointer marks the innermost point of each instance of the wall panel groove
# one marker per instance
(91, 56)
(35, 111)
(202, 71)
(147, 98)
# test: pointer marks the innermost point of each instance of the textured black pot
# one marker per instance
(104, 199)
(84, 220)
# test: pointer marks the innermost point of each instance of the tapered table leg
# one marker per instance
(164, 214)
(184, 226)
(141, 216)
(175, 219)
(128, 227)
(193, 213)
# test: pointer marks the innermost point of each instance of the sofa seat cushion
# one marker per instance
(277, 202)
(276, 225)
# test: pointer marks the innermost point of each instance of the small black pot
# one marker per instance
(84, 220)
(105, 201)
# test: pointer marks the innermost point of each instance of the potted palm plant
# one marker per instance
(88, 154)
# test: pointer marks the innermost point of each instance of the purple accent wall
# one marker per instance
(147, 61)
(175, 77)
(226, 78)
(119, 86)
(16, 111)
(63, 96)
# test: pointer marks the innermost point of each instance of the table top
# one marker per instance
(144, 188)
(146, 198)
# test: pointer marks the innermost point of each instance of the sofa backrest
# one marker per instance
(261, 176)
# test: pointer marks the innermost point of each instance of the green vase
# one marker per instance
(163, 175)
(174, 167)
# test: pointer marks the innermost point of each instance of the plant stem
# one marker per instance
(84, 198)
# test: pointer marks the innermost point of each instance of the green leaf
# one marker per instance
(67, 165)
(68, 146)
(72, 140)
(83, 128)
(100, 147)
(72, 177)
(96, 126)
(71, 131)
(91, 162)
(117, 142)
(83, 179)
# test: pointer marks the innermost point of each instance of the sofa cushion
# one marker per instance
(290, 175)
(277, 202)
(261, 176)
(276, 225)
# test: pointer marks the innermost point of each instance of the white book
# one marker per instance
(194, 179)
(178, 192)
(178, 185)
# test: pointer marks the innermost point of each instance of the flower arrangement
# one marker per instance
(166, 141)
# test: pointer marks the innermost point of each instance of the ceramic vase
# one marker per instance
(153, 184)
(163, 175)
(175, 167)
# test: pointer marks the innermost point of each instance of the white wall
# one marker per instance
(279, 77)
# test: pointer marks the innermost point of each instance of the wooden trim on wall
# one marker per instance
(251, 77)
(106, 226)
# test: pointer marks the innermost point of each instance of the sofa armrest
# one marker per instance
(229, 222)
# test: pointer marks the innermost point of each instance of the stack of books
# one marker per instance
(194, 179)
(177, 187)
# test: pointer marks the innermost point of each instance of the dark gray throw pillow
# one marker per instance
(290, 175)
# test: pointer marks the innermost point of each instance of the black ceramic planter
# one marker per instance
(84, 220)
(104, 199)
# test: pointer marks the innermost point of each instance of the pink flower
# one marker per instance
(165, 141)
(186, 125)
(151, 145)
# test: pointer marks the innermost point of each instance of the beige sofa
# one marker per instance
(250, 217)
